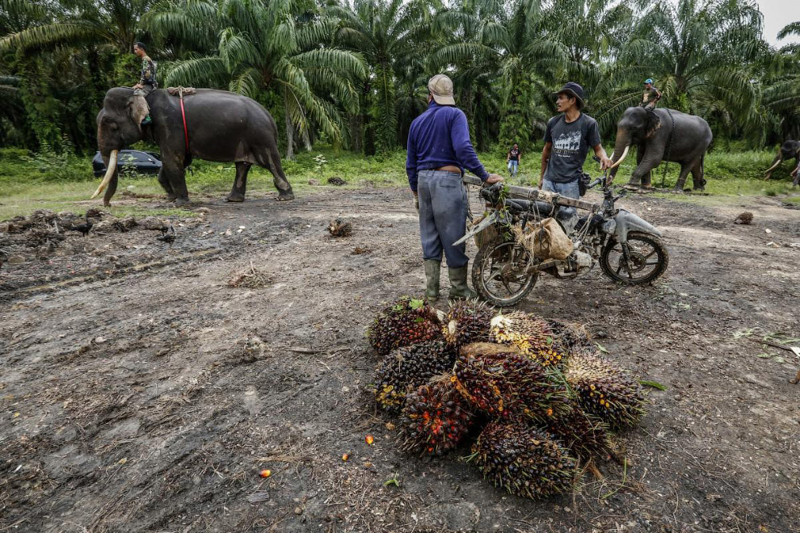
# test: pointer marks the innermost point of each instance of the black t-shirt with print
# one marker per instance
(571, 142)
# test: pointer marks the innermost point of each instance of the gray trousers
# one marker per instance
(144, 91)
(443, 211)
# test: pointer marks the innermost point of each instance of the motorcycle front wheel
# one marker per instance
(499, 273)
(646, 259)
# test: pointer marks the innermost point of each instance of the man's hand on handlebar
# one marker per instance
(605, 163)
(494, 178)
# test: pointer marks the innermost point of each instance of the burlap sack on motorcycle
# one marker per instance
(545, 240)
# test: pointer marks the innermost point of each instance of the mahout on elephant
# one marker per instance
(789, 150)
(215, 126)
(662, 135)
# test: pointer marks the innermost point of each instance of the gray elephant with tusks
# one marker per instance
(662, 135)
(219, 126)
(789, 150)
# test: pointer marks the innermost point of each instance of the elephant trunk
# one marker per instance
(621, 147)
(112, 167)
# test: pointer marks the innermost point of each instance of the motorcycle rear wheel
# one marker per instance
(499, 273)
(648, 259)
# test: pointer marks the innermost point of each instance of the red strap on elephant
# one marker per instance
(185, 130)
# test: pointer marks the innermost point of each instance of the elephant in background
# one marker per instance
(662, 135)
(788, 150)
(222, 126)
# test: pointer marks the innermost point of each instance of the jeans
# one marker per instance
(513, 167)
(566, 215)
(443, 210)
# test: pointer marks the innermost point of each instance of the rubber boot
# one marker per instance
(433, 269)
(459, 290)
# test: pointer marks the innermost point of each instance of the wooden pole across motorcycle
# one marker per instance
(532, 193)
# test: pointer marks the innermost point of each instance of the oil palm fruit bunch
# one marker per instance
(604, 390)
(523, 460)
(467, 321)
(407, 321)
(531, 334)
(509, 385)
(436, 417)
(409, 367)
(583, 434)
(569, 336)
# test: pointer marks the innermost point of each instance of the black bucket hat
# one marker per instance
(573, 89)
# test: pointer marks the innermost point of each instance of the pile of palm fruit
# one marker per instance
(534, 397)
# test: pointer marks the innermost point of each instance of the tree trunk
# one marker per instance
(289, 137)
(356, 134)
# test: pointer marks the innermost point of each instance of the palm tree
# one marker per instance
(593, 33)
(95, 22)
(264, 49)
(507, 48)
(703, 55)
(782, 88)
(390, 35)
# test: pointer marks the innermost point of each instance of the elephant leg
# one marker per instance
(685, 168)
(698, 176)
(796, 180)
(176, 175)
(279, 178)
(647, 179)
(650, 159)
(240, 183)
(165, 184)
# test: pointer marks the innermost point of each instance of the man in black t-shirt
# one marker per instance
(513, 159)
(567, 141)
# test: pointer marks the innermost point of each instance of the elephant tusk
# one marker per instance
(112, 166)
(773, 167)
(621, 158)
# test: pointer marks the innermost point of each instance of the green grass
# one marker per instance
(64, 183)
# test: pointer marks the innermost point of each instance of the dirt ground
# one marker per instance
(140, 392)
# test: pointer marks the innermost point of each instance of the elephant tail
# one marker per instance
(703, 179)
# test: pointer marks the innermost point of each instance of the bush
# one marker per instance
(53, 166)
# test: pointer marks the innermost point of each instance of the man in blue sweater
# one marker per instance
(439, 150)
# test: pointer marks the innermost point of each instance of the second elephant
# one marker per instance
(788, 150)
(663, 135)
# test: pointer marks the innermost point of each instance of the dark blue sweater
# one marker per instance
(440, 137)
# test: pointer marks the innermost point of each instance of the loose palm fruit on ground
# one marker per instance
(436, 417)
(408, 367)
(583, 434)
(604, 390)
(467, 321)
(523, 460)
(569, 336)
(530, 333)
(510, 385)
(407, 321)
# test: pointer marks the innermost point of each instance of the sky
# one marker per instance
(777, 14)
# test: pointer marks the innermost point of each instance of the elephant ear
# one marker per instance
(652, 124)
(138, 109)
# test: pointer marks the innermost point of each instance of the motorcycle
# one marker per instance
(628, 248)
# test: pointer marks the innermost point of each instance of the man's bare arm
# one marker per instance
(548, 147)
(600, 152)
